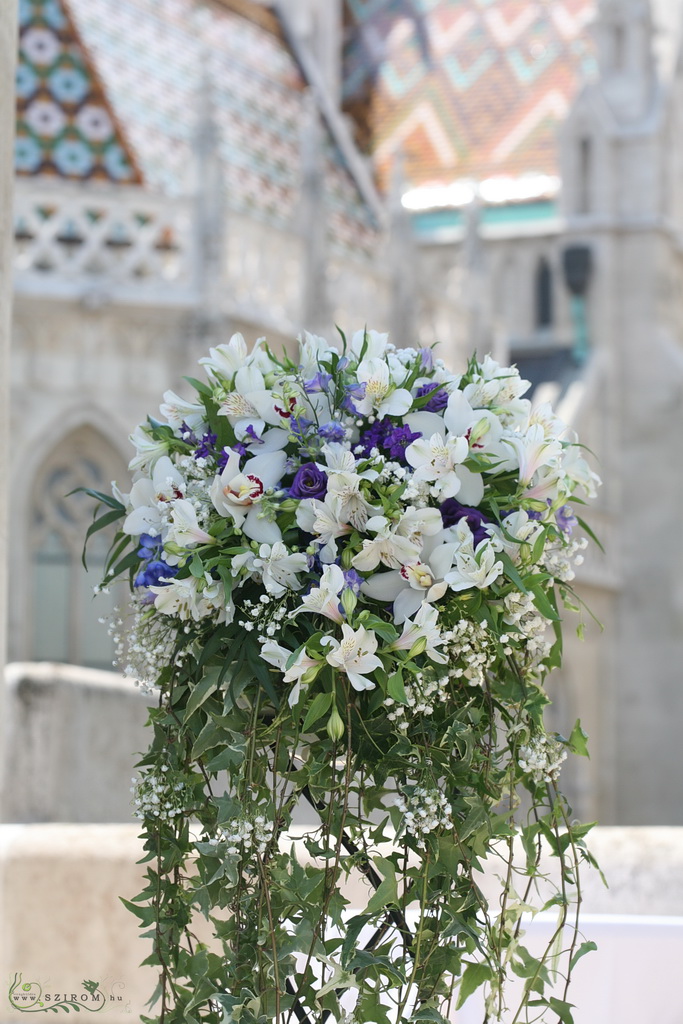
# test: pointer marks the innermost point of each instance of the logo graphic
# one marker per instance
(32, 997)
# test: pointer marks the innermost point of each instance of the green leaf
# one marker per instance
(585, 947)
(396, 689)
(474, 976)
(320, 705)
(106, 499)
(586, 527)
(562, 1009)
(203, 690)
(388, 889)
(197, 568)
(578, 741)
(353, 930)
(543, 604)
(511, 572)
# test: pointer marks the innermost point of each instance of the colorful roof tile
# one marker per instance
(65, 124)
(154, 57)
(464, 88)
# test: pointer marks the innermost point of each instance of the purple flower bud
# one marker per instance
(426, 359)
(309, 482)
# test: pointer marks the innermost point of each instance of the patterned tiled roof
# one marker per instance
(464, 88)
(65, 124)
(153, 57)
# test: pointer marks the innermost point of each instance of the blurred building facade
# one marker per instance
(434, 168)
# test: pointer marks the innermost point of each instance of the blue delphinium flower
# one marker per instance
(333, 431)
(317, 384)
(397, 440)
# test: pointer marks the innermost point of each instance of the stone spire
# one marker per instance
(315, 311)
(624, 33)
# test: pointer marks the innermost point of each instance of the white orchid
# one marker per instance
(423, 626)
(387, 547)
(322, 519)
(150, 499)
(279, 568)
(412, 584)
(324, 599)
(237, 495)
(354, 654)
(381, 394)
(178, 410)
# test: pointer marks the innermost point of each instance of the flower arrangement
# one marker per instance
(346, 573)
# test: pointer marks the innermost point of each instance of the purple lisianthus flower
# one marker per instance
(153, 573)
(452, 512)
(332, 431)
(309, 482)
(320, 382)
(439, 399)
(565, 519)
(353, 580)
(397, 440)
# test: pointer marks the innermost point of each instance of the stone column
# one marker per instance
(8, 50)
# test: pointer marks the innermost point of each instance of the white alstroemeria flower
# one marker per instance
(354, 655)
(184, 529)
(368, 345)
(575, 468)
(438, 461)
(243, 564)
(412, 584)
(148, 450)
(532, 451)
(150, 498)
(474, 568)
(193, 599)
(324, 599)
(416, 523)
(278, 656)
(321, 519)
(552, 425)
(177, 411)
(312, 349)
(224, 361)
(237, 495)
(424, 625)
(495, 385)
(522, 529)
(345, 498)
(339, 459)
(381, 394)
(279, 568)
(387, 547)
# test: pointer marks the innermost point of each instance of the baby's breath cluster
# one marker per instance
(159, 794)
(424, 810)
(542, 757)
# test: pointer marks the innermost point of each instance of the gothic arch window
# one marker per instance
(543, 295)
(63, 614)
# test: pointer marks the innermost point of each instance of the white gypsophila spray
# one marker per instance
(542, 757)
(424, 810)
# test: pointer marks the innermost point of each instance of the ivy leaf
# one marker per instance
(353, 930)
(562, 1009)
(585, 947)
(202, 691)
(320, 705)
(388, 888)
(578, 740)
(474, 976)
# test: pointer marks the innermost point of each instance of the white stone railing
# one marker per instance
(111, 243)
